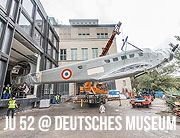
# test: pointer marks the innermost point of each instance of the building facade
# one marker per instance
(83, 39)
(28, 43)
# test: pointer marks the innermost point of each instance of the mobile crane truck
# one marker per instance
(99, 93)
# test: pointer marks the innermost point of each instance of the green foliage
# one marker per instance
(161, 82)
(153, 80)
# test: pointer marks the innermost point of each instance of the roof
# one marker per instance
(99, 25)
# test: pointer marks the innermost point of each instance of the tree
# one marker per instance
(154, 81)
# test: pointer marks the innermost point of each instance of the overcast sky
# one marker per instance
(147, 23)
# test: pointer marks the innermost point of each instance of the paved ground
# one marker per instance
(112, 109)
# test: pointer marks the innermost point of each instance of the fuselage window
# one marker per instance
(80, 67)
(107, 61)
(124, 57)
(131, 55)
(115, 59)
(140, 54)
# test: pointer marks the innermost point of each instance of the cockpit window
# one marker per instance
(140, 54)
(115, 59)
(124, 57)
(131, 55)
(107, 61)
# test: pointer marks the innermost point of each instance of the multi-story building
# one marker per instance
(83, 39)
(28, 43)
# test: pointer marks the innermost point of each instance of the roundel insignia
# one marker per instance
(66, 74)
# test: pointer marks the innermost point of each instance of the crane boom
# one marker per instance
(109, 43)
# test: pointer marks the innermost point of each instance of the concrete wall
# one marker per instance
(123, 84)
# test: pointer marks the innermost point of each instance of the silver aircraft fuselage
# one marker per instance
(115, 66)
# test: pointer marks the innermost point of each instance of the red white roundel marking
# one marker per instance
(66, 74)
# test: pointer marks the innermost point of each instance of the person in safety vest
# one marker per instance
(57, 98)
(7, 92)
(12, 105)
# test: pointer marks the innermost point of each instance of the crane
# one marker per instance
(100, 88)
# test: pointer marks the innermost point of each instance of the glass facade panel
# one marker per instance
(94, 52)
(54, 54)
(84, 53)
(39, 21)
(50, 35)
(29, 7)
(49, 49)
(74, 54)
(55, 42)
(38, 38)
(46, 89)
(4, 4)
(48, 64)
(1, 28)
(13, 9)
(51, 88)
(25, 24)
(53, 66)
(7, 40)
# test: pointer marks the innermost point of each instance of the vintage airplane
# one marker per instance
(124, 64)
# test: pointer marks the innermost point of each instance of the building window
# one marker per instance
(102, 35)
(94, 52)
(25, 24)
(74, 54)
(13, 9)
(124, 57)
(62, 54)
(39, 21)
(83, 35)
(84, 53)
(4, 4)
(98, 35)
(38, 38)
(28, 6)
(106, 35)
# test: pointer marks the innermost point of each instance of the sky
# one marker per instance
(147, 23)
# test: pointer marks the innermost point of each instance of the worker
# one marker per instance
(57, 98)
(153, 94)
(12, 105)
(7, 92)
(102, 108)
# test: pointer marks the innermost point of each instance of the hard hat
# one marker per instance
(14, 98)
